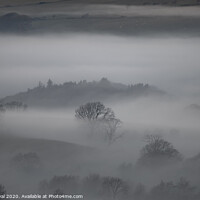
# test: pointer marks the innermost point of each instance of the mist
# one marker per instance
(148, 115)
(143, 75)
(169, 63)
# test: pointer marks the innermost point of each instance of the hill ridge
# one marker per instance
(75, 93)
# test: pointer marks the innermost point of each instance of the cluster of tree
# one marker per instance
(49, 84)
(65, 184)
(92, 186)
(75, 93)
(27, 162)
(158, 152)
(96, 114)
(13, 105)
(182, 190)
(95, 186)
(103, 83)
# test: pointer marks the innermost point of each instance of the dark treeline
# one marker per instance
(13, 105)
(76, 93)
(95, 186)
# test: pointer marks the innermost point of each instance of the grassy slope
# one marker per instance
(56, 158)
(46, 149)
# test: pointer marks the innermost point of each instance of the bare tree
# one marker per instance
(111, 126)
(94, 111)
(97, 114)
(114, 186)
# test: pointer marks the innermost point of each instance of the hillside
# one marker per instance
(74, 94)
(47, 149)
(28, 160)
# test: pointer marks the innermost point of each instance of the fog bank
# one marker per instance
(169, 63)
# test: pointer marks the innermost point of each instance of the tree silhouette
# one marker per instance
(66, 184)
(182, 190)
(49, 83)
(94, 111)
(15, 105)
(157, 151)
(114, 186)
(111, 126)
(97, 114)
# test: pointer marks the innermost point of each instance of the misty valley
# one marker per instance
(127, 147)
(99, 100)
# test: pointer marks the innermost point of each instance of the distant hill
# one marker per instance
(14, 22)
(10, 3)
(143, 2)
(119, 25)
(76, 93)
(122, 23)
